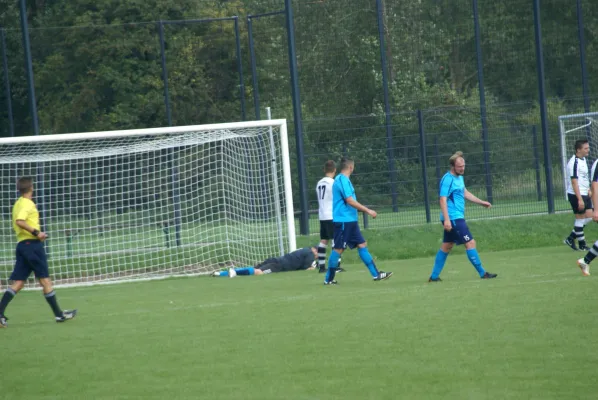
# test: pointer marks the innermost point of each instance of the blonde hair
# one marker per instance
(454, 157)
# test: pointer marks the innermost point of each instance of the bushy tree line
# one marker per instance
(97, 67)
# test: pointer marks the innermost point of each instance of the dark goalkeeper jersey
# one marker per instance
(297, 260)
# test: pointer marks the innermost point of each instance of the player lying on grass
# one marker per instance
(30, 254)
(584, 263)
(301, 259)
(452, 215)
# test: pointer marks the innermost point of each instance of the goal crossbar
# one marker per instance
(142, 132)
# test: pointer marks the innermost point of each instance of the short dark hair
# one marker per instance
(25, 184)
(579, 143)
(345, 162)
(329, 166)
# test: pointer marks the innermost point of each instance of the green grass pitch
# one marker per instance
(529, 334)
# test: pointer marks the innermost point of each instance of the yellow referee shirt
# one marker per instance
(26, 210)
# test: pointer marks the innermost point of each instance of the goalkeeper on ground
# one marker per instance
(298, 260)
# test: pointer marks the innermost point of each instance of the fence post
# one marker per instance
(297, 118)
(34, 118)
(29, 67)
(11, 124)
(256, 93)
(171, 156)
(240, 68)
(536, 162)
(437, 157)
(164, 72)
(582, 58)
(543, 110)
(388, 122)
(483, 116)
(424, 158)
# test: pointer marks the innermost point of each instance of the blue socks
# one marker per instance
(367, 259)
(245, 271)
(332, 265)
(472, 255)
(439, 263)
(240, 271)
(474, 259)
(365, 256)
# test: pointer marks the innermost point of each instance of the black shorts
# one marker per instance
(326, 230)
(587, 201)
(31, 257)
(269, 266)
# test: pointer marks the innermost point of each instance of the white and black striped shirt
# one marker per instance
(594, 172)
(577, 168)
(324, 193)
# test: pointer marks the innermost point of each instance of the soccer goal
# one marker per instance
(153, 203)
(573, 127)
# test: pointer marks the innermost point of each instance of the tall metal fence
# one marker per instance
(397, 86)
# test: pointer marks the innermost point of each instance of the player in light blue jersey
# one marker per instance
(452, 215)
(346, 227)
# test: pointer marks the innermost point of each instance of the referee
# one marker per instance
(30, 254)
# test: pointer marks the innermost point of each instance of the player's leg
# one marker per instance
(356, 239)
(465, 237)
(584, 263)
(7, 297)
(232, 272)
(36, 258)
(577, 232)
(270, 266)
(368, 260)
(333, 260)
(448, 241)
(587, 218)
(322, 254)
(324, 236)
(19, 275)
(578, 224)
(338, 246)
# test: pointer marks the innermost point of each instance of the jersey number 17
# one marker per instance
(322, 191)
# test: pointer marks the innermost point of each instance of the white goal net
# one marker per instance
(573, 127)
(152, 203)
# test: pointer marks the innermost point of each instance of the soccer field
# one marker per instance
(529, 334)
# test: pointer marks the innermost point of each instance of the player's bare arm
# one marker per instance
(474, 199)
(580, 204)
(24, 225)
(360, 207)
(444, 209)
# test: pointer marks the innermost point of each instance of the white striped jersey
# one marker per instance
(324, 193)
(577, 168)
(594, 172)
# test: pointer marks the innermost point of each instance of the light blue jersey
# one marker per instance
(341, 190)
(453, 188)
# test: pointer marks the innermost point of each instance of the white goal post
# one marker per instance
(573, 127)
(152, 203)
